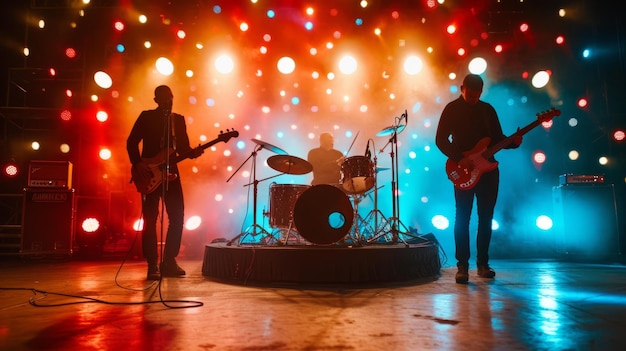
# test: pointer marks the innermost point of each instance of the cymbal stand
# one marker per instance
(255, 228)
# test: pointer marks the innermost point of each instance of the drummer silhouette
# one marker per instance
(326, 161)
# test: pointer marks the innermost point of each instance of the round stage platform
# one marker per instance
(313, 264)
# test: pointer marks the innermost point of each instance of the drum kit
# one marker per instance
(324, 214)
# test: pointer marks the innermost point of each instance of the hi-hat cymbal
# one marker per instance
(270, 147)
(391, 129)
(289, 164)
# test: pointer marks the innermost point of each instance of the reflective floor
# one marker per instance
(107, 305)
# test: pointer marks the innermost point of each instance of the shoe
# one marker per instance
(462, 275)
(153, 272)
(170, 268)
(486, 272)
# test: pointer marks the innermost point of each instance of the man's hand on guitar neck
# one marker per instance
(516, 140)
(196, 152)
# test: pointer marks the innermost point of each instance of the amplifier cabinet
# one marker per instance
(586, 220)
(47, 222)
(50, 174)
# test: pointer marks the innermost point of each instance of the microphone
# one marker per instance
(406, 117)
(368, 153)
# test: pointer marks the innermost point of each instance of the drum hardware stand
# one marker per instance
(380, 222)
(394, 222)
(375, 214)
(255, 228)
(355, 231)
(288, 233)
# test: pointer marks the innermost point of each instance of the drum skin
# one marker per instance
(323, 214)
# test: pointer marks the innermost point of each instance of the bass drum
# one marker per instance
(283, 198)
(357, 174)
(323, 214)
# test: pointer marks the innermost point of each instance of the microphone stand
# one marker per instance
(395, 217)
(167, 137)
(394, 222)
(375, 212)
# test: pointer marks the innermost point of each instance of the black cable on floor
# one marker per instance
(34, 300)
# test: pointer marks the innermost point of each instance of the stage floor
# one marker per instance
(108, 305)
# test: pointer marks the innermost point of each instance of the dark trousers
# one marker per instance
(174, 207)
(486, 194)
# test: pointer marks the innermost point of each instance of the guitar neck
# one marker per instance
(223, 137)
(504, 142)
(189, 153)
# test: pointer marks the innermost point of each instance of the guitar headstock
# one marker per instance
(548, 114)
(227, 135)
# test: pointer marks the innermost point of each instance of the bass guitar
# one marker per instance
(480, 154)
(157, 163)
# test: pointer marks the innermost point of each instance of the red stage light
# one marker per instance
(66, 115)
(523, 27)
(138, 225)
(70, 53)
(10, 169)
(119, 26)
(102, 116)
(90, 225)
(560, 40)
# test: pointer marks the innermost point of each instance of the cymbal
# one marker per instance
(380, 169)
(289, 164)
(270, 147)
(390, 130)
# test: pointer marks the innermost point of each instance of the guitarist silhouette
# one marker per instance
(163, 137)
(467, 123)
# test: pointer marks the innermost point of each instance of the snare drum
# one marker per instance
(283, 198)
(357, 174)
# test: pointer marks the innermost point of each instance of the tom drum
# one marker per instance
(357, 174)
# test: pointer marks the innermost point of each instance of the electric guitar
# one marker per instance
(480, 154)
(156, 164)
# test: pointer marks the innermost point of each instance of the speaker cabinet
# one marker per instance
(47, 223)
(586, 220)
